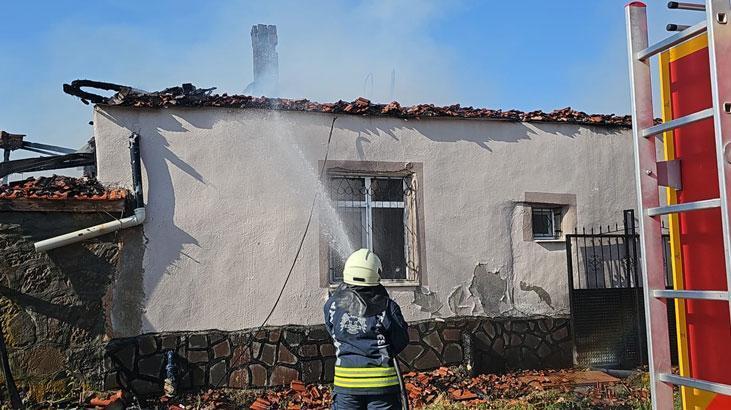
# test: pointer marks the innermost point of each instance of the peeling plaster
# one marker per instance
(542, 294)
(525, 277)
(462, 302)
(492, 290)
(427, 300)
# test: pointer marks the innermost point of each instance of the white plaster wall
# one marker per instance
(228, 193)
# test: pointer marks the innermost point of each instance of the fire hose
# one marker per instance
(402, 385)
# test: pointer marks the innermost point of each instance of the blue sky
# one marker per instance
(500, 54)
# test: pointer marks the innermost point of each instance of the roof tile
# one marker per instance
(60, 188)
(188, 95)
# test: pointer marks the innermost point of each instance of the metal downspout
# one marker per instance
(98, 230)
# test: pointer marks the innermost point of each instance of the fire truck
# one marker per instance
(687, 184)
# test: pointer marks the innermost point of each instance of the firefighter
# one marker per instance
(368, 331)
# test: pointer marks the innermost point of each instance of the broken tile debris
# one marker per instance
(454, 385)
(441, 388)
(61, 187)
(187, 95)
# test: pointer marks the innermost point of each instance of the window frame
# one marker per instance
(368, 204)
(414, 238)
(556, 216)
(564, 202)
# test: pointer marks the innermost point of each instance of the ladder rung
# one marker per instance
(695, 383)
(686, 6)
(675, 39)
(678, 122)
(689, 206)
(676, 27)
(691, 294)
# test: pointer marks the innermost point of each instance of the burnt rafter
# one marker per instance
(75, 89)
(56, 157)
(126, 93)
(10, 141)
(78, 159)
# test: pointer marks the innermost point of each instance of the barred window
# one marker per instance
(377, 213)
(546, 222)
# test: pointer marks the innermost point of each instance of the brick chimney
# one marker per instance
(266, 61)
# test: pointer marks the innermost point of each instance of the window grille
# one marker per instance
(377, 213)
(546, 223)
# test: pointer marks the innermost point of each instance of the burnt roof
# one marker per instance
(188, 95)
(60, 188)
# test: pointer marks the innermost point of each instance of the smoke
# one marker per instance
(337, 50)
(356, 51)
(493, 55)
(326, 51)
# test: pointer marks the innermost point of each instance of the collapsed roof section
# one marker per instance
(188, 95)
(62, 194)
(61, 187)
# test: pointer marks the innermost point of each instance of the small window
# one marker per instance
(546, 222)
(374, 213)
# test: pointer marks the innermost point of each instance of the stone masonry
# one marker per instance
(276, 356)
(52, 304)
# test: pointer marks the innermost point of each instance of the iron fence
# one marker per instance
(600, 260)
(606, 296)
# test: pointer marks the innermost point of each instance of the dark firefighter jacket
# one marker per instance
(368, 329)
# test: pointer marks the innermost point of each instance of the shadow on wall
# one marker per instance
(46, 282)
(453, 130)
(53, 304)
(158, 160)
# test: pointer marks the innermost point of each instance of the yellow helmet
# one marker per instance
(363, 268)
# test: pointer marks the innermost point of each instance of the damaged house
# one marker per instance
(467, 208)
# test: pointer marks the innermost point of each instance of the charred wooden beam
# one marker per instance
(47, 147)
(75, 89)
(78, 159)
(10, 141)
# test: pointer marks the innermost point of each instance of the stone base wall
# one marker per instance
(52, 308)
(276, 356)
(490, 345)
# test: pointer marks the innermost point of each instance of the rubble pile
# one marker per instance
(188, 95)
(209, 400)
(451, 386)
(441, 389)
(445, 387)
(60, 187)
(298, 396)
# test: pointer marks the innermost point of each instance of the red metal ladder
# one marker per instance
(644, 133)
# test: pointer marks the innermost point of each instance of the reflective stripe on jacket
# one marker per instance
(365, 377)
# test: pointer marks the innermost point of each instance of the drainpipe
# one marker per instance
(113, 226)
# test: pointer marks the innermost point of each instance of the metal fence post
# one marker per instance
(570, 269)
(630, 237)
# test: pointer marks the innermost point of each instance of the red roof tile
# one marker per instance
(188, 95)
(60, 188)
